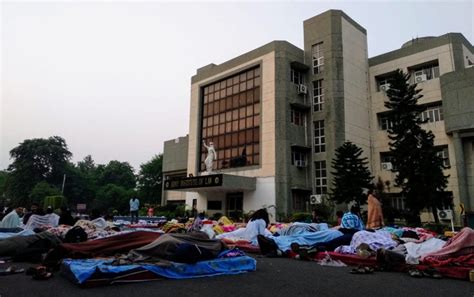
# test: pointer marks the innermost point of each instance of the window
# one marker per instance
(318, 58)
(383, 84)
(443, 152)
(298, 158)
(425, 72)
(318, 95)
(397, 202)
(384, 122)
(320, 177)
(319, 138)
(432, 114)
(297, 117)
(385, 159)
(231, 119)
(214, 205)
(296, 77)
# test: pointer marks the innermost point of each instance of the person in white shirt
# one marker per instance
(12, 219)
(134, 206)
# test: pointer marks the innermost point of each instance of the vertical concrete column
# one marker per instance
(461, 171)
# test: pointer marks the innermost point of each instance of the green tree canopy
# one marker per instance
(112, 197)
(36, 160)
(42, 190)
(117, 173)
(150, 179)
(418, 167)
(351, 175)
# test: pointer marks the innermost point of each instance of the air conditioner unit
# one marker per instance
(387, 166)
(445, 214)
(300, 163)
(384, 87)
(302, 89)
(315, 199)
(420, 77)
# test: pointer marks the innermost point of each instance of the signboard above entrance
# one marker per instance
(214, 180)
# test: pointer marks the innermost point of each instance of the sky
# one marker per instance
(113, 78)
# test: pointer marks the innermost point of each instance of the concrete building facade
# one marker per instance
(276, 115)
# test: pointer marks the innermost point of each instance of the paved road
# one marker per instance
(273, 278)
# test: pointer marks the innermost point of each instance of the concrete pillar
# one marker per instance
(461, 171)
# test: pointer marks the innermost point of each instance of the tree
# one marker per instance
(351, 175)
(418, 167)
(117, 173)
(36, 160)
(150, 179)
(112, 197)
(41, 190)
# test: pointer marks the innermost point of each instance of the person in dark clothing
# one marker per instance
(65, 218)
(34, 209)
(260, 214)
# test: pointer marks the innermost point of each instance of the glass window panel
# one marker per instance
(216, 119)
(204, 110)
(242, 99)
(211, 97)
(235, 126)
(228, 91)
(243, 86)
(228, 116)
(235, 114)
(243, 76)
(215, 130)
(209, 132)
(204, 123)
(228, 103)
(249, 110)
(256, 81)
(242, 124)
(211, 88)
(204, 133)
(242, 112)
(229, 82)
(235, 152)
(249, 121)
(256, 120)
(222, 93)
(223, 84)
(221, 128)
(206, 90)
(249, 96)
(217, 87)
(210, 110)
(206, 98)
(250, 74)
(227, 153)
(228, 139)
(221, 142)
(256, 148)
(235, 89)
(222, 118)
(217, 95)
(235, 101)
(235, 139)
(248, 136)
(256, 93)
(257, 71)
(210, 121)
(249, 84)
(256, 134)
(235, 80)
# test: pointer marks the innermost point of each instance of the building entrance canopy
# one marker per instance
(213, 182)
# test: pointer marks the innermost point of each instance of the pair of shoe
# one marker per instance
(39, 273)
(11, 270)
(362, 270)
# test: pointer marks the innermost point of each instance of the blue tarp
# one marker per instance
(83, 269)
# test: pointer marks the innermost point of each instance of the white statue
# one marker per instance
(211, 156)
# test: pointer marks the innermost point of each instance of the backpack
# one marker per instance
(75, 235)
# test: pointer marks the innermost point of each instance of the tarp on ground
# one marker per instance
(83, 270)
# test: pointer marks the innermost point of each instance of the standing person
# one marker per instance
(211, 156)
(12, 219)
(134, 206)
(34, 209)
(374, 212)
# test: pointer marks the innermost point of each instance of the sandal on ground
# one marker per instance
(362, 270)
(415, 273)
(11, 270)
(39, 273)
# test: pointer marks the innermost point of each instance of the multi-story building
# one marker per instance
(276, 115)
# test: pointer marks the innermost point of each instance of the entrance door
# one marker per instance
(234, 208)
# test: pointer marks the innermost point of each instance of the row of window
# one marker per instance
(386, 159)
(419, 74)
(430, 115)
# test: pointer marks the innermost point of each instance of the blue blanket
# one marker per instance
(83, 269)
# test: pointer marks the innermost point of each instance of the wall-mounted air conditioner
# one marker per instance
(420, 77)
(384, 87)
(445, 214)
(387, 166)
(302, 89)
(315, 199)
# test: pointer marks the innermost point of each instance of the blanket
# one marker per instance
(459, 249)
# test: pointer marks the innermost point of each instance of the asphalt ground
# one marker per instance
(274, 277)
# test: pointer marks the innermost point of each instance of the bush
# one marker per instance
(301, 217)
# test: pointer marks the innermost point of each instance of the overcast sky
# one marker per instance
(113, 79)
